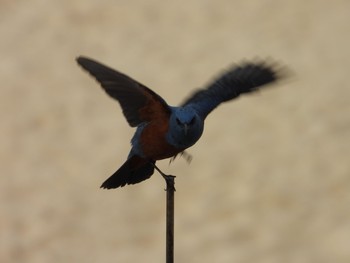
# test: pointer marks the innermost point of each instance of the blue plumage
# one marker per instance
(185, 127)
(164, 131)
(245, 78)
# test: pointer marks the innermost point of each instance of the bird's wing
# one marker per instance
(244, 78)
(139, 103)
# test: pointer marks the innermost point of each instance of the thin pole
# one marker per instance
(170, 190)
(170, 194)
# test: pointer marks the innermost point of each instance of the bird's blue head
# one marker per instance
(185, 127)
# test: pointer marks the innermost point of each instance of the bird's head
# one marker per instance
(185, 127)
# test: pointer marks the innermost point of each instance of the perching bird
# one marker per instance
(164, 131)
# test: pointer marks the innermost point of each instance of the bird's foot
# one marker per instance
(169, 179)
(184, 154)
(187, 156)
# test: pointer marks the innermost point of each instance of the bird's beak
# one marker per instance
(186, 128)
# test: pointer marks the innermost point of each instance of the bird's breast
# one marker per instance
(154, 144)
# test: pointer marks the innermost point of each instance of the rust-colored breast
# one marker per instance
(153, 141)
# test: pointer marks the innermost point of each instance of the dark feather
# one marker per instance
(244, 78)
(132, 96)
(133, 171)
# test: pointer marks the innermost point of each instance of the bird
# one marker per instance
(164, 131)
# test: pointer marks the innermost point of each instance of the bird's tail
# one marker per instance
(133, 171)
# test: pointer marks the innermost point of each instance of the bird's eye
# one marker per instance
(178, 121)
(193, 120)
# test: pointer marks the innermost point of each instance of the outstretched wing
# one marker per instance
(244, 78)
(139, 103)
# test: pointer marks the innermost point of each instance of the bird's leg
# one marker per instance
(165, 176)
(169, 179)
(187, 156)
(184, 154)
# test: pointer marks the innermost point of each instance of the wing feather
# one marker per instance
(139, 103)
(245, 78)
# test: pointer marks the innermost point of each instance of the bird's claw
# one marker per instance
(169, 179)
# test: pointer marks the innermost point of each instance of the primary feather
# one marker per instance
(245, 78)
(138, 102)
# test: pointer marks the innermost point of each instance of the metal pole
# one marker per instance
(170, 190)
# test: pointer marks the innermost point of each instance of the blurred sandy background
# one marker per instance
(269, 181)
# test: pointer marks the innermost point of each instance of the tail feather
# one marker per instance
(133, 171)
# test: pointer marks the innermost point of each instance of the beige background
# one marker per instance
(269, 181)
